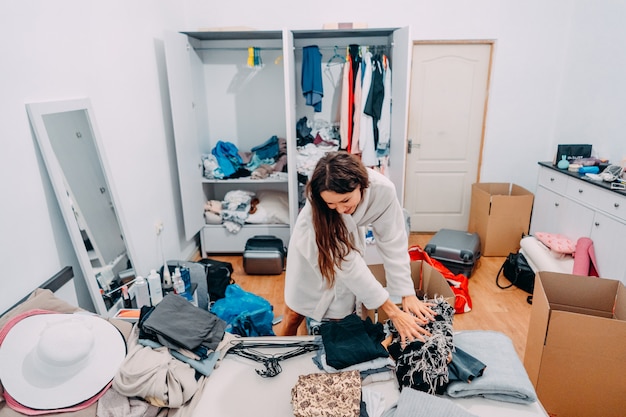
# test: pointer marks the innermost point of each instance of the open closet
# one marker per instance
(236, 94)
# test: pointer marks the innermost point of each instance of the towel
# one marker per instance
(414, 403)
(504, 378)
(585, 258)
(312, 84)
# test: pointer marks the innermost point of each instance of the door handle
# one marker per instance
(409, 145)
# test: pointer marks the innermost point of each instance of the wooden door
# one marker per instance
(447, 108)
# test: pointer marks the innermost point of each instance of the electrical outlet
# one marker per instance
(158, 227)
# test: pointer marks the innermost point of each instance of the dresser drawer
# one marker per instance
(613, 204)
(552, 180)
(597, 198)
(584, 192)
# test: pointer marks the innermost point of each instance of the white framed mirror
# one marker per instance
(71, 148)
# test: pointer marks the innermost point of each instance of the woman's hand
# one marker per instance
(422, 310)
(409, 327)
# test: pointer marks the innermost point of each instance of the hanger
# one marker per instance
(336, 56)
(327, 69)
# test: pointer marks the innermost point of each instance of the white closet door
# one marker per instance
(184, 72)
(400, 69)
(290, 108)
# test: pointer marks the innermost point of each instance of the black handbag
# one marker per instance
(517, 270)
(218, 277)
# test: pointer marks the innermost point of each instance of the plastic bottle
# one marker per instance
(126, 298)
(167, 277)
(184, 274)
(154, 284)
(142, 294)
(186, 277)
(177, 281)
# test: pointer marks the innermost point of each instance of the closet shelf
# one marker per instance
(244, 181)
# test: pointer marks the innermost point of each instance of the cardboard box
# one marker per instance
(426, 279)
(576, 348)
(500, 214)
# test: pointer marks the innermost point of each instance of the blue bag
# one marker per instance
(246, 314)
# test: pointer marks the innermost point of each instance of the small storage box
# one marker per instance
(455, 249)
(264, 255)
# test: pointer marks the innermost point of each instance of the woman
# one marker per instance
(326, 273)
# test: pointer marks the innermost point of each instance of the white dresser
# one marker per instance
(576, 206)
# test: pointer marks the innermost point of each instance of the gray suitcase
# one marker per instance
(455, 249)
(264, 255)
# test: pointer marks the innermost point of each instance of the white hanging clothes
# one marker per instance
(366, 132)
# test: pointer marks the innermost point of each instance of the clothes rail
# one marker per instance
(331, 48)
(242, 48)
(275, 48)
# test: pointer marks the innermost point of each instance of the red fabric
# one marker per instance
(458, 283)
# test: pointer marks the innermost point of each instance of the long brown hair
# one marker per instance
(341, 173)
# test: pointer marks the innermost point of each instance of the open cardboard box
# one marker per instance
(500, 214)
(576, 347)
(426, 279)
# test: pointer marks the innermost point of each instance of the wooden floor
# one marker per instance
(505, 311)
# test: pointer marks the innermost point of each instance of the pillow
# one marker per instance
(557, 243)
(259, 216)
(273, 207)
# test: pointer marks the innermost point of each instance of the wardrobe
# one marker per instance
(244, 87)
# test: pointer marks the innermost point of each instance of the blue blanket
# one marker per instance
(414, 403)
(504, 378)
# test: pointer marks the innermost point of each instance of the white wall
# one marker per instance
(111, 52)
(592, 101)
(557, 77)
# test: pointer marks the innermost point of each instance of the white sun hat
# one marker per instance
(53, 361)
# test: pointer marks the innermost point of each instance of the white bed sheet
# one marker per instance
(234, 389)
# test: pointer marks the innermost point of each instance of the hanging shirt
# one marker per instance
(374, 103)
(366, 132)
(345, 122)
(312, 87)
(384, 124)
(356, 113)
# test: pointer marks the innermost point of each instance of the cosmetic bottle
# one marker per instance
(178, 283)
(142, 294)
(154, 285)
(126, 298)
(184, 274)
(167, 277)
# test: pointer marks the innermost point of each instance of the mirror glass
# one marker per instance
(69, 143)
